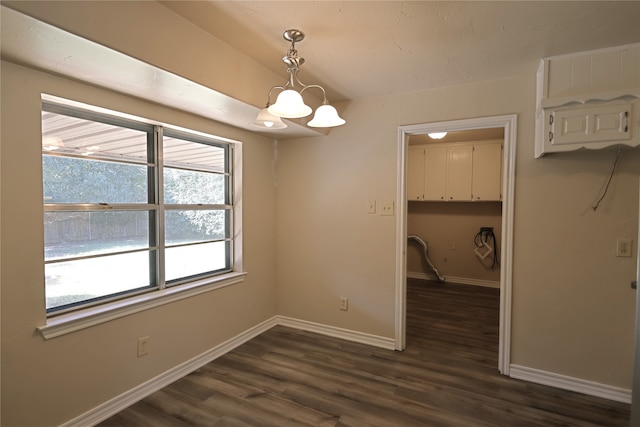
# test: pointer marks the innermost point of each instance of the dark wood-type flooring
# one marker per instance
(447, 376)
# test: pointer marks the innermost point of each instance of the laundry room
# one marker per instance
(454, 214)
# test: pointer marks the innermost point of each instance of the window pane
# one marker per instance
(190, 226)
(76, 234)
(67, 134)
(191, 187)
(193, 155)
(73, 180)
(80, 280)
(185, 261)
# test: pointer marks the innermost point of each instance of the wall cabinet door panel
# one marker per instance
(459, 172)
(435, 173)
(487, 172)
(415, 173)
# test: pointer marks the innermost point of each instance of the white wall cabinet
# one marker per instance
(455, 172)
(588, 100)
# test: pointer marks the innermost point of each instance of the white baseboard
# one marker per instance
(128, 398)
(332, 331)
(569, 383)
(452, 279)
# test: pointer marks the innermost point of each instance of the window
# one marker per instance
(130, 208)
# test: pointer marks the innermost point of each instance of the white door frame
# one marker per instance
(509, 123)
(635, 385)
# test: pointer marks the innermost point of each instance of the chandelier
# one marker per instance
(289, 103)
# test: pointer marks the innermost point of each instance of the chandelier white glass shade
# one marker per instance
(326, 116)
(289, 103)
(267, 120)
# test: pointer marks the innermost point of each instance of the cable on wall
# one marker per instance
(485, 240)
(606, 188)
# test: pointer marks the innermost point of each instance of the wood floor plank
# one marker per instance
(446, 377)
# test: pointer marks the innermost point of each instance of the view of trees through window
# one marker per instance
(109, 227)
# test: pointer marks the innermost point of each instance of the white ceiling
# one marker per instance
(360, 49)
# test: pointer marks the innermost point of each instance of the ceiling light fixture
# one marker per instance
(267, 120)
(437, 135)
(289, 103)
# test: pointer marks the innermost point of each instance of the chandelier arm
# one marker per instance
(271, 91)
(294, 74)
(324, 94)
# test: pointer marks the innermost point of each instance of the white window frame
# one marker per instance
(83, 317)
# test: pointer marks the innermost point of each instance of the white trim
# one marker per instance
(635, 383)
(81, 319)
(506, 262)
(400, 305)
(237, 174)
(564, 382)
(332, 331)
(509, 123)
(454, 280)
(128, 398)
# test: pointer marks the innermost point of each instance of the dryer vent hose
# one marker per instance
(426, 255)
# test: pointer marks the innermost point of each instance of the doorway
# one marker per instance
(508, 123)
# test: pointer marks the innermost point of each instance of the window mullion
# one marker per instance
(159, 194)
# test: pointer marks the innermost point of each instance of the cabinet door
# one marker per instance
(583, 125)
(415, 173)
(435, 172)
(487, 171)
(459, 172)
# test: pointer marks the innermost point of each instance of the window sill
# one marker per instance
(78, 320)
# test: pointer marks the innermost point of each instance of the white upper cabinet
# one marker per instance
(588, 100)
(435, 172)
(459, 172)
(487, 171)
(415, 173)
(470, 171)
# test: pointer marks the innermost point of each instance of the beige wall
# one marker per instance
(45, 383)
(449, 230)
(573, 309)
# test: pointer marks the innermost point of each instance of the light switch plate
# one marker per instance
(623, 247)
(387, 209)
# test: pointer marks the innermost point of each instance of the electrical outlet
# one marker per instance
(623, 247)
(143, 346)
(344, 303)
